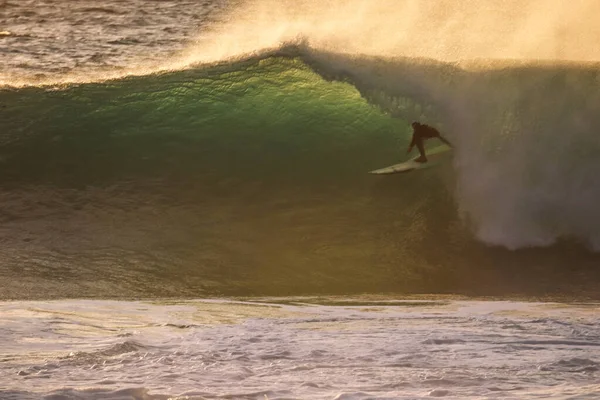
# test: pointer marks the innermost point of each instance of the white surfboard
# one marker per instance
(433, 156)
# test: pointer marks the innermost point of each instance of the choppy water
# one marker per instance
(356, 349)
(44, 39)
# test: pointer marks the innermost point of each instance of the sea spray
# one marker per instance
(526, 138)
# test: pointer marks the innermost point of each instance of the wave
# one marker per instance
(526, 138)
(251, 173)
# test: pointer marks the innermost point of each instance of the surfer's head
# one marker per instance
(415, 124)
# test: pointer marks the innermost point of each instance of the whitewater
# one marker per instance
(306, 348)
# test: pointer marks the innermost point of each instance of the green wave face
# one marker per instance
(248, 178)
(266, 121)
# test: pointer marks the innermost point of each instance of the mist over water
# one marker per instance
(529, 155)
(121, 39)
(526, 139)
(448, 30)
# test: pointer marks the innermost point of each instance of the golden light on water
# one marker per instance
(447, 30)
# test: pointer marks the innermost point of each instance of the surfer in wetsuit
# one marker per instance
(421, 132)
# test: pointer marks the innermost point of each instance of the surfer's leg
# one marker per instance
(423, 157)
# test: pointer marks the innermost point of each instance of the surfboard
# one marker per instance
(433, 157)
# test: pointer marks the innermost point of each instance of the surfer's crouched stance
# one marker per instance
(421, 132)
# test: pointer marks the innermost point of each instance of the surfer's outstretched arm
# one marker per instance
(443, 139)
(411, 145)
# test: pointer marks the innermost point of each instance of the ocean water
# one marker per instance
(164, 165)
(306, 348)
(46, 39)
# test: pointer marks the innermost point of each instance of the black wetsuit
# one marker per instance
(422, 132)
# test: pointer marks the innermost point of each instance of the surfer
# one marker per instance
(421, 132)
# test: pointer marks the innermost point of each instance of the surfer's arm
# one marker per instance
(411, 145)
(443, 139)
